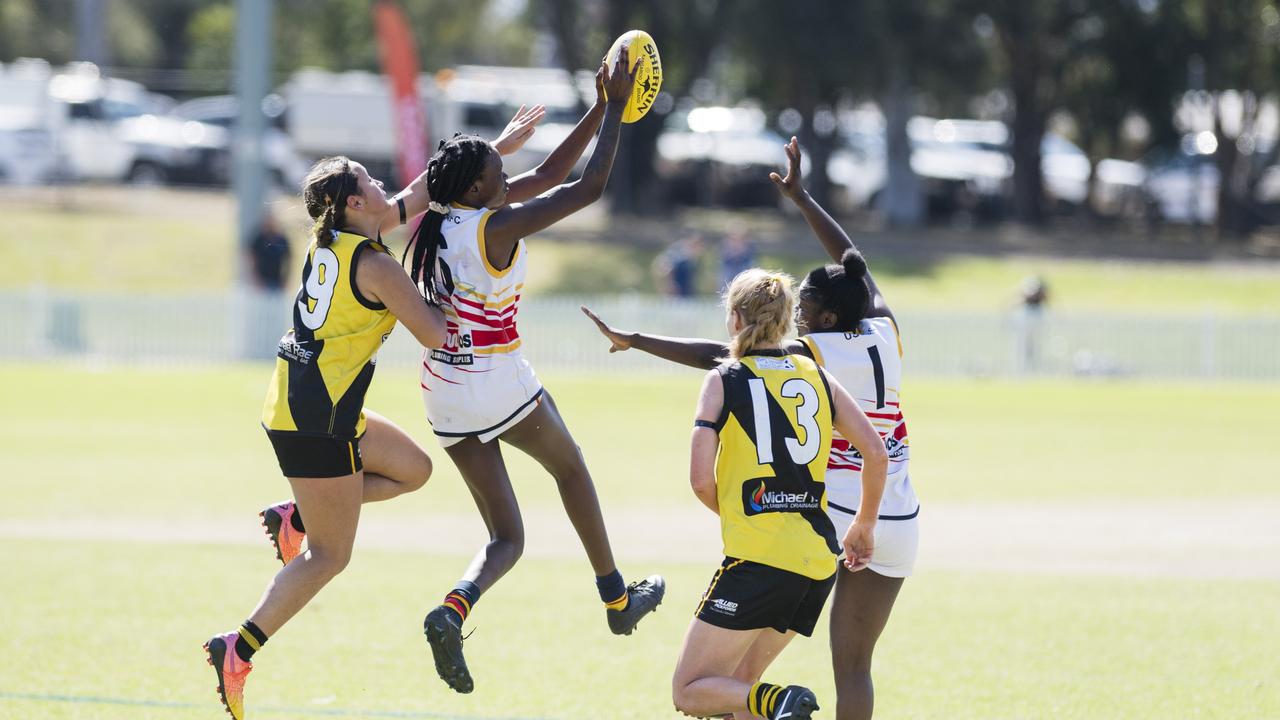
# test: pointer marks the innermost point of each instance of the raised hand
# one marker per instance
(519, 130)
(791, 186)
(601, 97)
(619, 79)
(619, 339)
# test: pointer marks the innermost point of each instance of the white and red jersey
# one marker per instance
(478, 384)
(868, 363)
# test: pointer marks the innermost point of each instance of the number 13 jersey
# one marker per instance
(325, 361)
(775, 437)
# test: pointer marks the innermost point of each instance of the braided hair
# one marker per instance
(451, 171)
(841, 289)
(325, 191)
(763, 302)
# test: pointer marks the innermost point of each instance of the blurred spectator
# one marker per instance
(676, 269)
(736, 254)
(1033, 297)
(269, 255)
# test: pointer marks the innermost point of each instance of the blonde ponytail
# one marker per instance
(764, 302)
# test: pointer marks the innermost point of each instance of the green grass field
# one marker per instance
(153, 240)
(127, 538)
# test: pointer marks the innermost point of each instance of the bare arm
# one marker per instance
(852, 424)
(833, 237)
(508, 225)
(694, 352)
(415, 196)
(381, 279)
(705, 442)
(556, 168)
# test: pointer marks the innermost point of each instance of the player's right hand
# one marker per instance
(859, 543)
(619, 79)
(791, 186)
(620, 340)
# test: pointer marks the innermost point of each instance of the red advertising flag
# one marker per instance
(400, 64)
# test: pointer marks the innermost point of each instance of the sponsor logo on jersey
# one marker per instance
(449, 358)
(758, 499)
(768, 363)
(292, 351)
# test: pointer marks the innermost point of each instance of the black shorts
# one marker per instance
(309, 456)
(746, 595)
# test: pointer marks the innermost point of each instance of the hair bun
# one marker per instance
(853, 263)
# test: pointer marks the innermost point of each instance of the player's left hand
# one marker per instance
(619, 339)
(791, 186)
(859, 543)
(520, 129)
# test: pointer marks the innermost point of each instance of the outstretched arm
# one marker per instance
(833, 237)
(556, 168)
(507, 226)
(694, 352)
(416, 198)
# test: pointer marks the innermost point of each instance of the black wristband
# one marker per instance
(705, 423)
(400, 204)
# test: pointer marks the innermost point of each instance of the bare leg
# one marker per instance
(859, 612)
(759, 657)
(332, 509)
(486, 475)
(394, 464)
(544, 437)
(703, 684)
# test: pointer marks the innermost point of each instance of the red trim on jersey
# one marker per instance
(489, 338)
(434, 375)
(462, 369)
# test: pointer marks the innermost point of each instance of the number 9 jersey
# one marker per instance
(325, 361)
(775, 438)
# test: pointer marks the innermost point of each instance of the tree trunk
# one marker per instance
(901, 200)
(818, 147)
(1029, 121)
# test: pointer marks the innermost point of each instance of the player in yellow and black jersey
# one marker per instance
(761, 442)
(335, 453)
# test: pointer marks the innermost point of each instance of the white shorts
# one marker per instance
(897, 543)
(483, 405)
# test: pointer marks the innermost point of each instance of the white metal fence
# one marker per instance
(222, 327)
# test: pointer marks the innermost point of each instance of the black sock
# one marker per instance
(296, 519)
(613, 590)
(250, 641)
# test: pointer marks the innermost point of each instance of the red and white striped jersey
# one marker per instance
(868, 363)
(479, 378)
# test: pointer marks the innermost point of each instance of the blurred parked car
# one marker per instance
(111, 129)
(966, 165)
(720, 156)
(27, 152)
(287, 167)
(1182, 184)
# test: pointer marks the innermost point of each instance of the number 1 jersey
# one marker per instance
(325, 361)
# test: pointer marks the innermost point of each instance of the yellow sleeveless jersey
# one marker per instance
(326, 360)
(775, 438)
